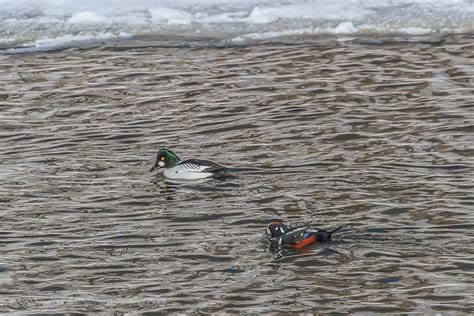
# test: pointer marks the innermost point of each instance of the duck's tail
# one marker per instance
(333, 231)
(325, 235)
(224, 173)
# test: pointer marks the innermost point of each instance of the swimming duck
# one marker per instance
(191, 169)
(297, 237)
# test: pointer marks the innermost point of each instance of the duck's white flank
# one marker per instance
(184, 172)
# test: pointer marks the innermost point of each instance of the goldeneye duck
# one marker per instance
(297, 237)
(191, 169)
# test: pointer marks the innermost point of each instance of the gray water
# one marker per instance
(378, 138)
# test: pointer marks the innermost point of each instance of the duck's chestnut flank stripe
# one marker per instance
(304, 242)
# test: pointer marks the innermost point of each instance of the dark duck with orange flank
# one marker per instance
(297, 237)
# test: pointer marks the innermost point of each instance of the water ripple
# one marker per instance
(377, 138)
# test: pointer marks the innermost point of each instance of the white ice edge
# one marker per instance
(39, 23)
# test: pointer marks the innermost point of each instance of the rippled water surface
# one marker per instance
(378, 138)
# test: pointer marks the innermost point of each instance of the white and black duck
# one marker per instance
(190, 169)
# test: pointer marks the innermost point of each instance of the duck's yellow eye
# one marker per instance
(162, 158)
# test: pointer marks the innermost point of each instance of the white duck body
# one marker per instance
(194, 169)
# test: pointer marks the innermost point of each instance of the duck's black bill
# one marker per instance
(155, 166)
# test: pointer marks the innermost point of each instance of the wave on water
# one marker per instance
(30, 25)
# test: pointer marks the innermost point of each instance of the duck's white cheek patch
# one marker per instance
(161, 164)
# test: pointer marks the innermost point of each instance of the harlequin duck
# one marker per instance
(297, 237)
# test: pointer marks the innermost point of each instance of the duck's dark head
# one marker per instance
(165, 159)
(277, 228)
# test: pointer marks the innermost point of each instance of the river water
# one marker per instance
(378, 138)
